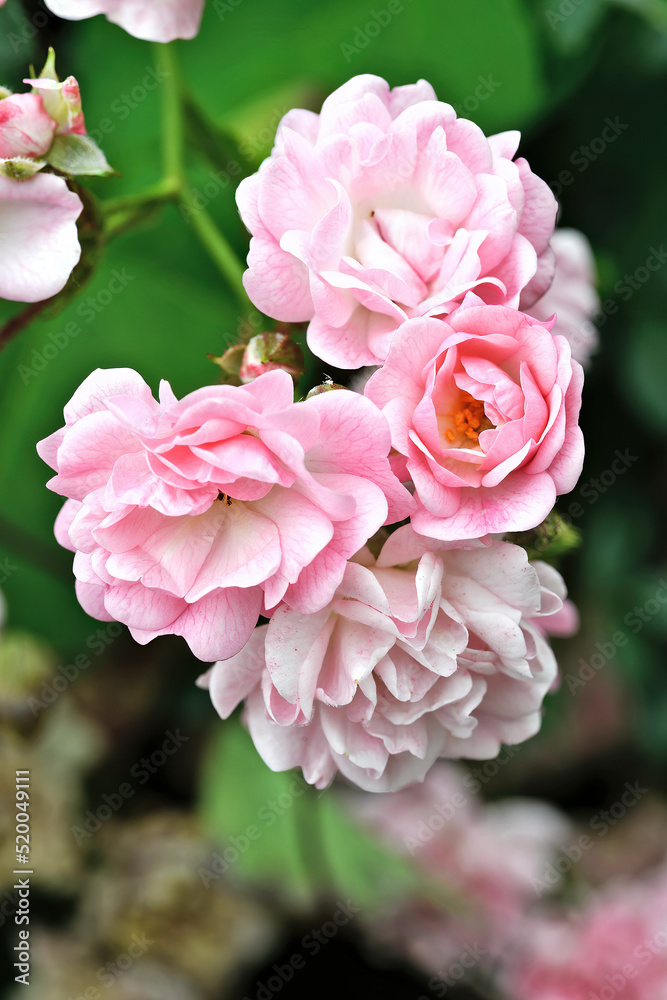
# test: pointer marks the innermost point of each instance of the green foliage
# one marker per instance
(78, 155)
(271, 826)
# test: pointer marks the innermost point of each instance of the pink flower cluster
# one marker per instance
(616, 945)
(420, 654)
(485, 912)
(39, 246)
(484, 857)
(366, 527)
(191, 517)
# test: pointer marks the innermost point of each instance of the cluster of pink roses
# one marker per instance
(39, 245)
(484, 857)
(366, 527)
(614, 945)
(489, 861)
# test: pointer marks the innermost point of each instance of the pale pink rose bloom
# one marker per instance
(190, 516)
(564, 623)
(39, 246)
(421, 654)
(572, 295)
(386, 206)
(484, 407)
(26, 128)
(616, 945)
(62, 100)
(487, 855)
(153, 20)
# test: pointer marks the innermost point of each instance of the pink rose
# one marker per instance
(153, 20)
(484, 407)
(386, 206)
(587, 954)
(39, 246)
(420, 654)
(190, 517)
(565, 622)
(572, 295)
(26, 128)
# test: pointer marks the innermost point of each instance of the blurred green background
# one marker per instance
(557, 71)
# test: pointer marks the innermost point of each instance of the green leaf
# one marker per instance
(456, 46)
(254, 813)
(78, 155)
(571, 31)
(272, 827)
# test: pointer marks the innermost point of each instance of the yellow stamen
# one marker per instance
(469, 420)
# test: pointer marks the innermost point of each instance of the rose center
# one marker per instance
(467, 421)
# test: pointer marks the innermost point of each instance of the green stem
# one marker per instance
(218, 145)
(173, 152)
(124, 213)
(160, 193)
(216, 245)
(172, 114)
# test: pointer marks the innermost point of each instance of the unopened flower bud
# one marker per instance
(325, 387)
(230, 360)
(269, 351)
(61, 100)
